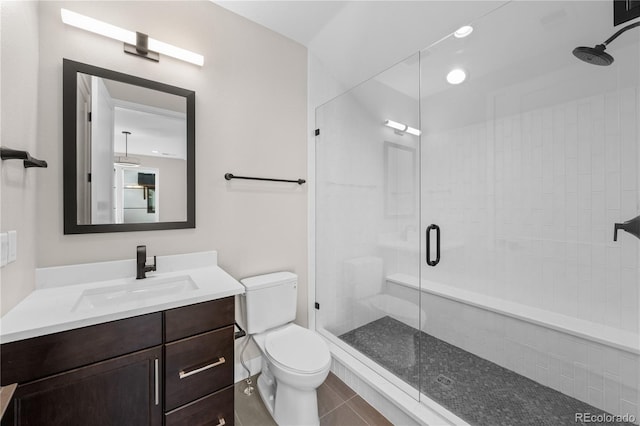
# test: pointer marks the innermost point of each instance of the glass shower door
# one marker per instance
(527, 165)
(367, 220)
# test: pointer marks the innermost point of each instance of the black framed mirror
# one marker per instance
(128, 152)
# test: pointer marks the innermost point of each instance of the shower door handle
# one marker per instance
(428, 244)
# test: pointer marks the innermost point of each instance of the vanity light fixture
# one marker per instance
(400, 128)
(126, 161)
(135, 43)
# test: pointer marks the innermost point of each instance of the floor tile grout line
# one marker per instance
(342, 401)
(236, 417)
(334, 409)
(338, 392)
(358, 414)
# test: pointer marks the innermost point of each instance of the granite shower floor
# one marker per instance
(476, 390)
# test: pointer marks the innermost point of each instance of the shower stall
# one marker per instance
(466, 202)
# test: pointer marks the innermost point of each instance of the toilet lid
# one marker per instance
(298, 349)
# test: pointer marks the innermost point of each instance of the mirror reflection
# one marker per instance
(131, 153)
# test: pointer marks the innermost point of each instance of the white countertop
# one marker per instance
(50, 308)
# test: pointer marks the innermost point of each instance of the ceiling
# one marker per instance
(355, 40)
(156, 121)
(517, 58)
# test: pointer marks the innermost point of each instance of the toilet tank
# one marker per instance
(269, 300)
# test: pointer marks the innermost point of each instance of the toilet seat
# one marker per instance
(297, 349)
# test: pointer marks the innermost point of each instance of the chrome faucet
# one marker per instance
(142, 268)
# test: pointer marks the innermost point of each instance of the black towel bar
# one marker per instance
(28, 160)
(229, 176)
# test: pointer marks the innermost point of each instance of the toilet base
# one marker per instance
(267, 390)
(287, 405)
(295, 407)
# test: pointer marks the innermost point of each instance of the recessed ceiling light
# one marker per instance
(155, 151)
(456, 76)
(463, 31)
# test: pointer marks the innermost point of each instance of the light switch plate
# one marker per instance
(13, 246)
(4, 249)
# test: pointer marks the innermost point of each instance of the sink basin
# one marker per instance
(136, 291)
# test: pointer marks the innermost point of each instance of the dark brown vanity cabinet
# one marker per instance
(199, 364)
(119, 391)
(173, 367)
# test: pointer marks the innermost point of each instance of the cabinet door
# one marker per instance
(116, 392)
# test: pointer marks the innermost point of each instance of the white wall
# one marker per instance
(19, 118)
(171, 189)
(250, 120)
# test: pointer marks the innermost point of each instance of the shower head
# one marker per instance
(593, 55)
(597, 55)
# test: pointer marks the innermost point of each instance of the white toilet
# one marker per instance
(295, 360)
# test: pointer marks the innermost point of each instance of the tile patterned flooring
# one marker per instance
(477, 390)
(338, 405)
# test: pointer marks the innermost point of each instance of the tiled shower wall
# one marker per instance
(528, 204)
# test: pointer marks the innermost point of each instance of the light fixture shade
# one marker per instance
(93, 25)
(176, 52)
(128, 37)
(395, 125)
(402, 128)
(413, 131)
(126, 161)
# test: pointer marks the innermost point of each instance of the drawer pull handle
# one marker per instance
(221, 422)
(184, 374)
(157, 381)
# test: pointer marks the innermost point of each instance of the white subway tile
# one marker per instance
(613, 188)
(595, 366)
(571, 141)
(566, 385)
(629, 408)
(580, 385)
(611, 393)
(554, 374)
(595, 397)
(612, 152)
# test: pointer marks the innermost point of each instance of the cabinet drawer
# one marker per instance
(197, 366)
(194, 319)
(30, 359)
(211, 410)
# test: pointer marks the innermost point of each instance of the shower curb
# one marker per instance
(376, 391)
